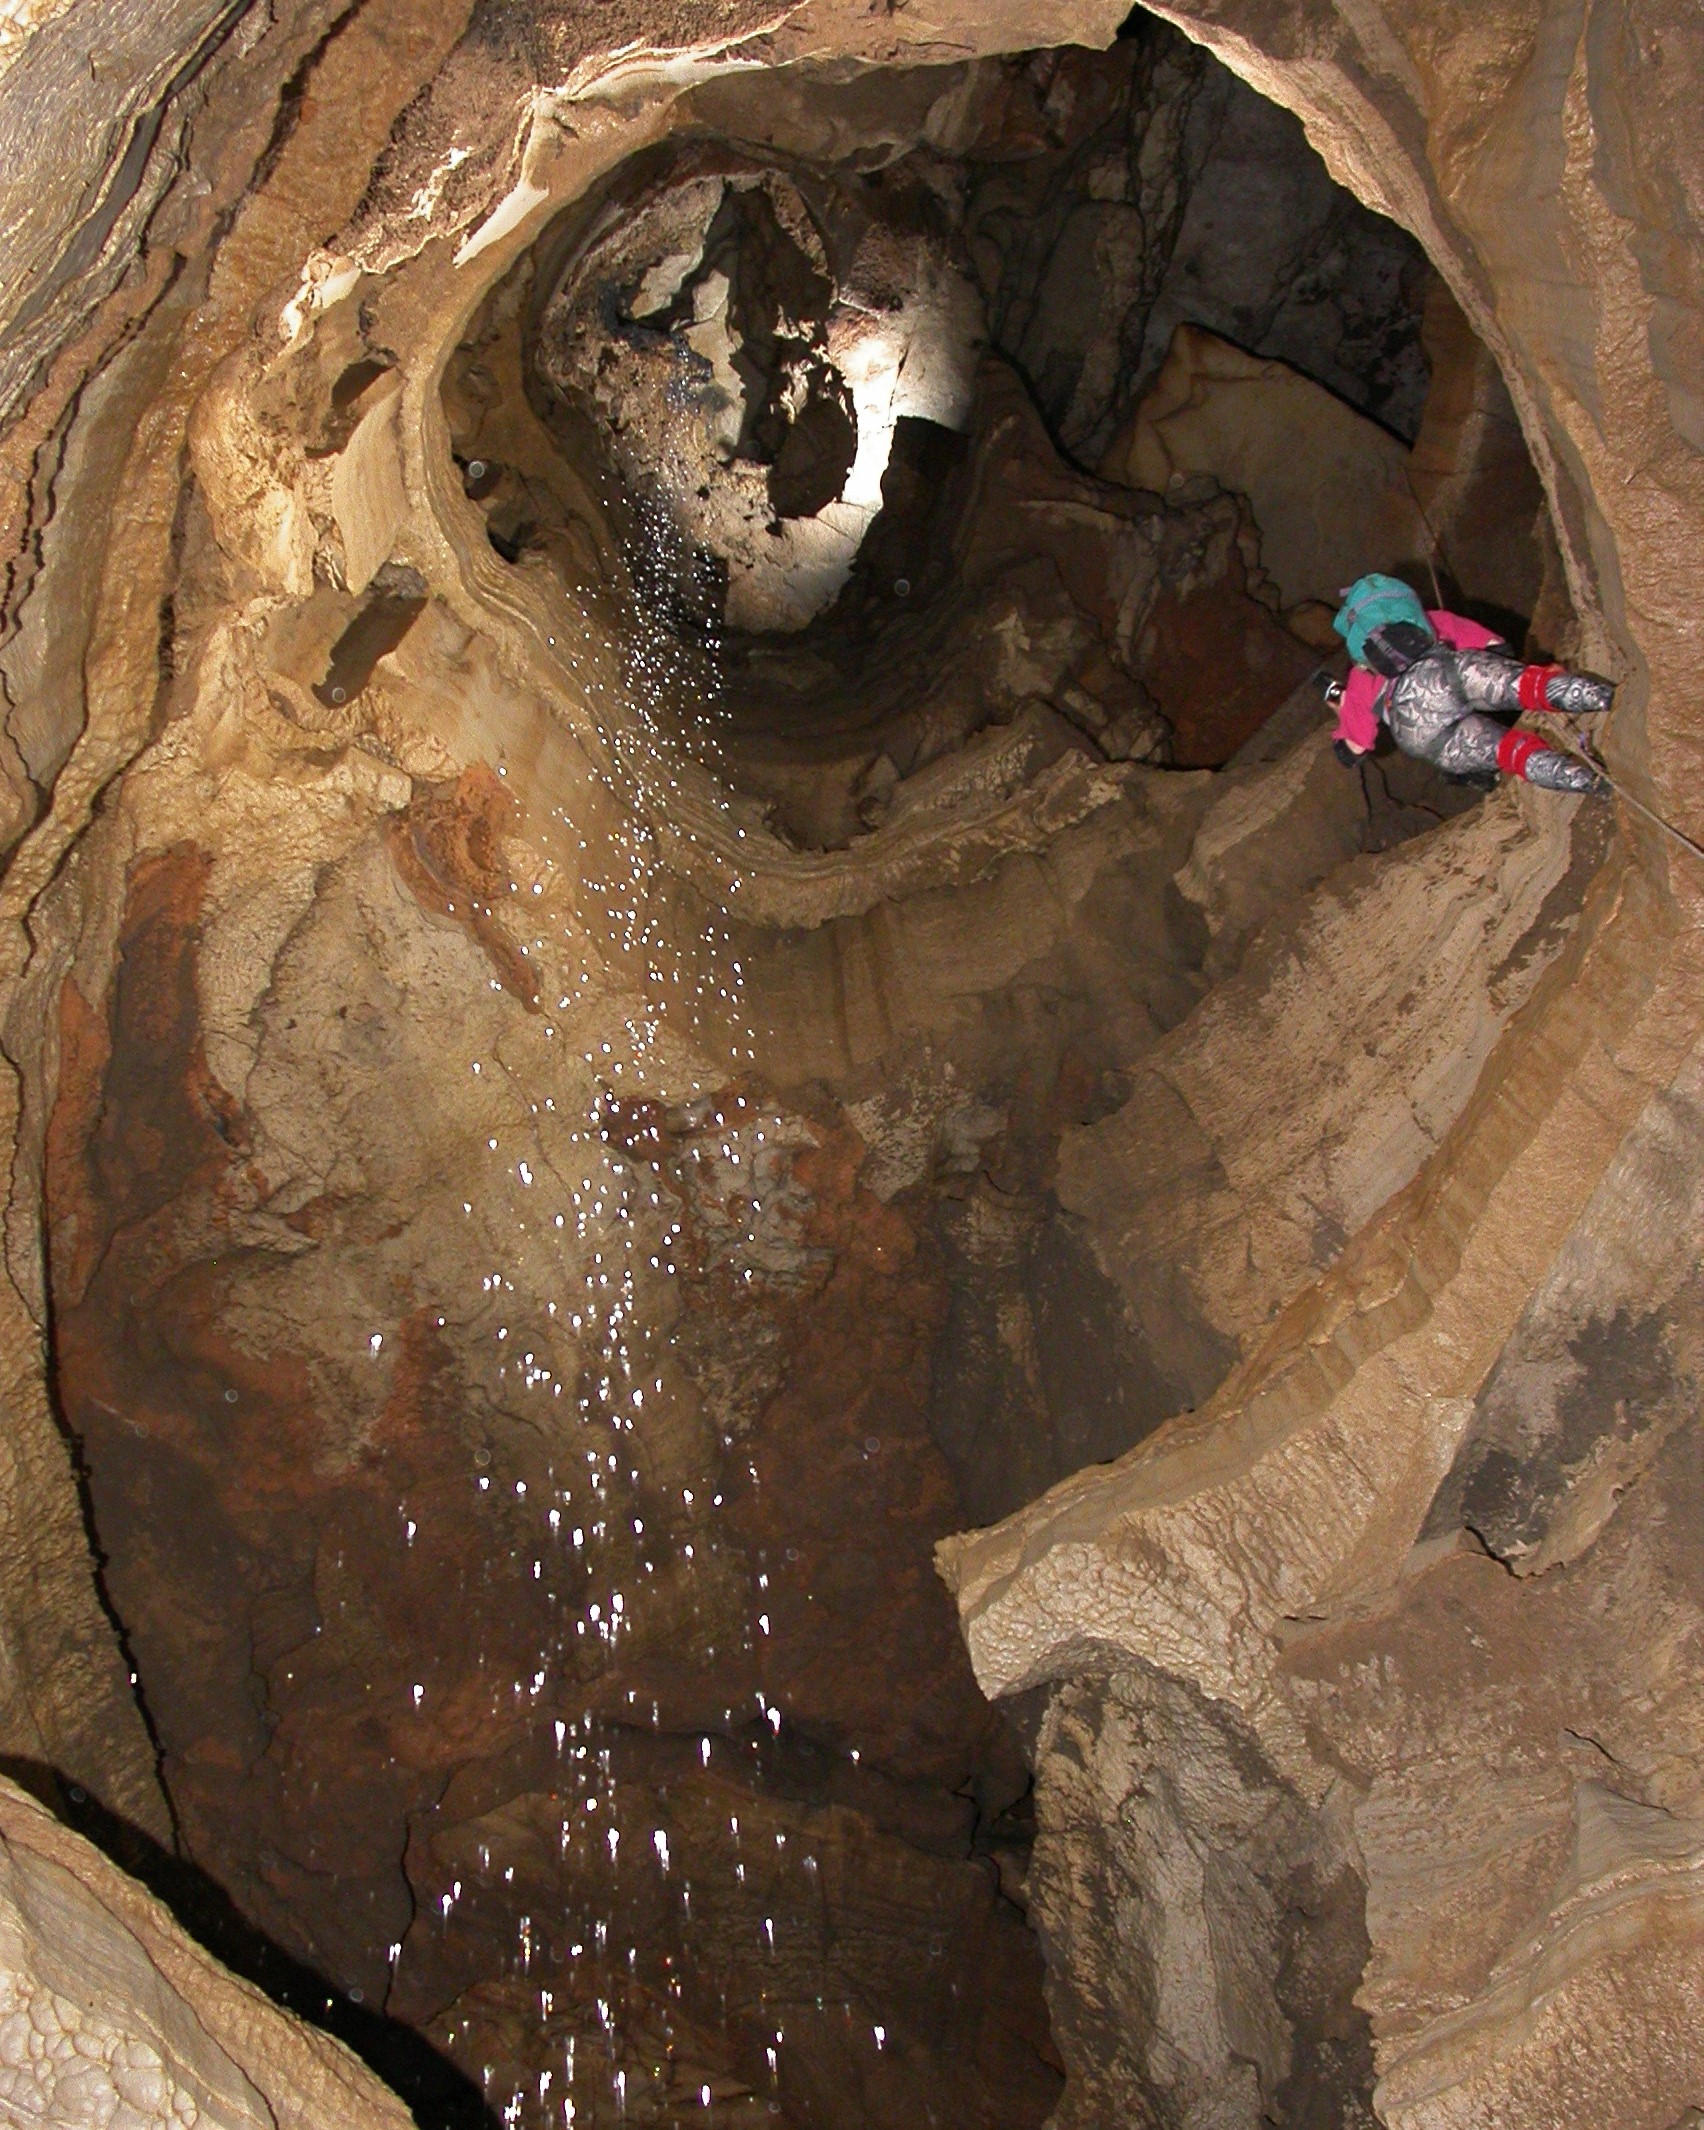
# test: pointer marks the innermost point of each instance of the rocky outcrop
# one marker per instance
(1276, 258)
(1113, 203)
(1073, 623)
(750, 352)
(1525, 1840)
(1237, 1167)
(1329, 489)
(1332, 1663)
(110, 2013)
(556, 1157)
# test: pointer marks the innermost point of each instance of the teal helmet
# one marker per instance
(1375, 602)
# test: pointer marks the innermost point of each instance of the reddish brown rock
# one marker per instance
(382, 1231)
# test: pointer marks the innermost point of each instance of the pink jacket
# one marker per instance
(1357, 714)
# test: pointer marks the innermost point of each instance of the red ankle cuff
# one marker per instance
(1515, 749)
(1534, 682)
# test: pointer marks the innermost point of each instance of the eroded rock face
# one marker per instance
(559, 1165)
(109, 2013)
(1324, 1550)
(1060, 617)
(750, 376)
(1466, 1788)
(1112, 203)
(1329, 489)
(1540, 1826)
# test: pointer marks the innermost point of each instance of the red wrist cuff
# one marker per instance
(1515, 749)
(1534, 681)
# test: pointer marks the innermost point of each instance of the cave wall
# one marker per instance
(1514, 1848)
(236, 922)
(1565, 231)
(114, 2013)
(1166, 192)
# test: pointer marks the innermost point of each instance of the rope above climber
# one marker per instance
(1434, 680)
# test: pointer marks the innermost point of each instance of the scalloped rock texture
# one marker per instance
(110, 2014)
(551, 1172)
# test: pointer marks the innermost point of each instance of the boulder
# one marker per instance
(111, 2014)
(1328, 487)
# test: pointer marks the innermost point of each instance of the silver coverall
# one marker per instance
(1435, 710)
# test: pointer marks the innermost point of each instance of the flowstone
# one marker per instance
(678, 935)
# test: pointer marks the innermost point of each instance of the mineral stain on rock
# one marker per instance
(447, 848)
(684, 935)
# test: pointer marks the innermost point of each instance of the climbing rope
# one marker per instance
(1574, 742)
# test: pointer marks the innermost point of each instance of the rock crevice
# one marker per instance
(679, 938)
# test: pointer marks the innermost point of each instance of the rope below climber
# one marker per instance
(1433, 679)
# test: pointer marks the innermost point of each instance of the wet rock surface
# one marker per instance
(749, 350)
(569, 1131)
(366, 1569)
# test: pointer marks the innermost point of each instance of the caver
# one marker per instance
(1443, 686)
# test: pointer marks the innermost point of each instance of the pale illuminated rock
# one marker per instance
(859, 1084)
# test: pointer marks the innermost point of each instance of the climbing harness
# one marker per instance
(1573, 741)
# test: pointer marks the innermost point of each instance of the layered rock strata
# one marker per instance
(1369, 1613)
(543, 1185)
(109, 2013)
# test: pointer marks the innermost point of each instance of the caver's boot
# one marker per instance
(1555, 688)
(1524, 754)
(1579, 694)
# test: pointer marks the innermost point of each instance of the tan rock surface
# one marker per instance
(1471, 476)
(1329, 488)
(1511, 116)
(1312, 1084)
(1343, 1674)
(478, 1455)
(110, 2013)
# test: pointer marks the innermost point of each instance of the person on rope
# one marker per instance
(1433, 679)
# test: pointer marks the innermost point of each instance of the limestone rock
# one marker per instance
(110, 2013)
(1470, 473)
(752, 353)
(1205, 1924)
(1562, 1879)
(1357, 1709)
(1620, 1955)
(1328, 488)
(1115, 204)
(553, 1163)
(1277, 824)
(1274, 257)
(1252, 1164)
(1602, 1367)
